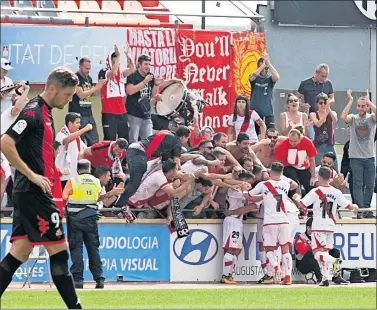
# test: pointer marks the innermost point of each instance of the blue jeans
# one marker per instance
(90, 137)
(311, 132)
(139, 127)
(363, 173)
(137, 166)
(322, 150)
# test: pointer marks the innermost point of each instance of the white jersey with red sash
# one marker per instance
(235, 200)
(67, 155)
(232, 225)
(275, 194)
(325, 201)
(148, 189)
(240, 125)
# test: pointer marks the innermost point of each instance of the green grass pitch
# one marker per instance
(246, 298)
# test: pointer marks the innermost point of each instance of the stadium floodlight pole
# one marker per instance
(255, 17)
(203, 12)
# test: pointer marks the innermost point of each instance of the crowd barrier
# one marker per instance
(147, 251)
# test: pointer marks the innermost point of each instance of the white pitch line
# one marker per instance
(167, 286)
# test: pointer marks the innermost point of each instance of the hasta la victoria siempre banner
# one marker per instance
(159, 45)
(137, 252)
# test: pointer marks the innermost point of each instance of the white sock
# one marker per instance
(277, 254)
(227, 264)
(235, 258)
(325, 261)
(262, 255)
(269, 268)
(287, 264)
(271, 260)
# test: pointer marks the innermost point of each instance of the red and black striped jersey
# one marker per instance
(164, 144)
(34, 134)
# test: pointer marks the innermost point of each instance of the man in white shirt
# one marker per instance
(276, 228)
(6, 97)
(325, 200)
(157, 187)
(68, 146)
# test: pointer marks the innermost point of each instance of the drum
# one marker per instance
(177, 101)
(173, 97)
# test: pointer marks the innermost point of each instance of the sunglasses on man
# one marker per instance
(272, 137)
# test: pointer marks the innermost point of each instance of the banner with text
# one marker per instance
(35, 51)
(203, 62)
(199, 257)
(247, 48)
(137, 252)
(159, 45)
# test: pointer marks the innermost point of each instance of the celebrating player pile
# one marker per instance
(280, 223)
(273, 194)
(325, 200)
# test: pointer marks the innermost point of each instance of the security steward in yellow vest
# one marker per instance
(82, 193)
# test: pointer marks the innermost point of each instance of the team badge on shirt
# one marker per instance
(20, 126)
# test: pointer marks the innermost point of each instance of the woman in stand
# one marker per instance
(243, 120)
(324, 120)
(292, 117)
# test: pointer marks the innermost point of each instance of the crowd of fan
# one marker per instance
(140, 170)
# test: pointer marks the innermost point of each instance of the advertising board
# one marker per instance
(137, 252)
(200, 256)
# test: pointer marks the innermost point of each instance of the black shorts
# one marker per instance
(37, 218)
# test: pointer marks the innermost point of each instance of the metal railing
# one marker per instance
(256, 17)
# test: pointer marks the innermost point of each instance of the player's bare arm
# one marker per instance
(177, 192)
(225, 184)
(184, 176)
(215, 176)
(254, 198)
(257, 147)
(187, 157)
(353, 207)
(241, 211)
(200, 160)
(8, 147)
(110, 196)
(205, 202)
(234, 162)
